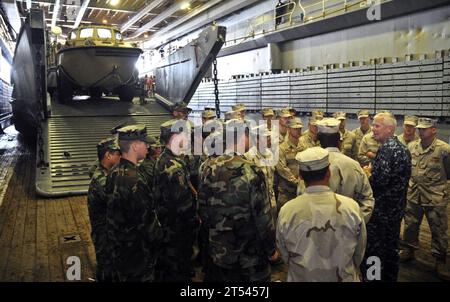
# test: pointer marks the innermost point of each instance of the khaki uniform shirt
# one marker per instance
(306, 141)
(428, 182)
(358, 137)
(368, 143)
(321, 236)
(287, 167)
(263, 161)
(401, 138)
(348, 179)
(347, 142)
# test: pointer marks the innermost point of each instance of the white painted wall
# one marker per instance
(253, 61)
(422, 33)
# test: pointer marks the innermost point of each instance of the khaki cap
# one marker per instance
(340, 115)
(411, 120)
(295, 123)
(425, 122)
(363, 113)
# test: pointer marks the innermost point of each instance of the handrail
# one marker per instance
(343, 8)
(289, 13)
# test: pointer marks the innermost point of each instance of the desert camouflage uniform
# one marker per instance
(428, 194)
(358, 138)
(287, 170)
(401, 138)
(255, 156)
(348, 140)
(321, 236)
(306, 141)
(389, 180)
(348, 179)
(368, 143)
(235, 208)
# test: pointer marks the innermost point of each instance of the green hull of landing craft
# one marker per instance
(96, 60)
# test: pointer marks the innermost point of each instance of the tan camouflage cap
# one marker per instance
(411, 120)
(313, 159)
(109, 143)
(425, 122)
(133, 132)
(363, 113)
(295, 123)
(318, 113)
(328, 125)
(238, 107)
(267, 112)
(284, 113)
(313, 120)
(340, 115)
(209, 113)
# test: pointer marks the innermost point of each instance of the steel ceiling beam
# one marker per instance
(81, 13)
(183, 27)
(163, 16)
(154, 4)
(56, 10)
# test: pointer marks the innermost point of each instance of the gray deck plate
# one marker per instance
(75, 129)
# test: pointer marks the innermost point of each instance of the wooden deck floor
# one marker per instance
(33, 229)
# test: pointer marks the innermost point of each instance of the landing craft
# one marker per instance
(96, 60)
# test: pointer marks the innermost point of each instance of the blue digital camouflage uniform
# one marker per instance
(178, 217)
(133, 226)
(235, 208)
(390, 175)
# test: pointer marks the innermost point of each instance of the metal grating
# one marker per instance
(70, 147)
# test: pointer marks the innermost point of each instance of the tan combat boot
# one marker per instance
(442, 270)
(406, 255)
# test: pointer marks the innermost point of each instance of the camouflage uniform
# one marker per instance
(358, 138)
(401, 138)
(133, 226)
(348, 140)
(428, 194)
(348, 179)
(97, 204)
(347, 137)
(410, 120)
(321, 235)
(390, 174)
(368, 143)
(287, 170)
(256, 157)
(235, 208)
(177, 213)
(306, 140)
